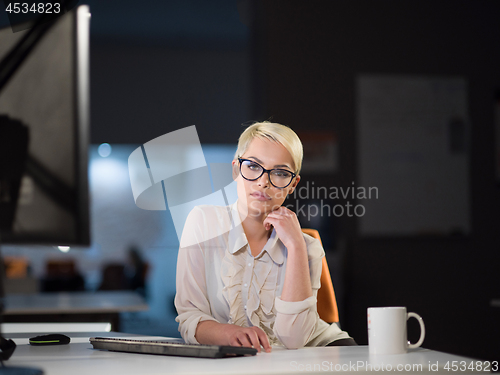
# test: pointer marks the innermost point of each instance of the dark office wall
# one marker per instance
(142, 91)
(167, 65)
(313, 53)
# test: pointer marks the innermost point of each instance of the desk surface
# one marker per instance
(80, 358)
(74, 303)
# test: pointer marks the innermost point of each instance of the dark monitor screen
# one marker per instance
(48, 96)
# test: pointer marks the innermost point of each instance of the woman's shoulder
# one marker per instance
(314, 246)
(204, 223)
(210, 217)
(208, 212)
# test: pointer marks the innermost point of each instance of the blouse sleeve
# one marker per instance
(191, 299)
(296, 321)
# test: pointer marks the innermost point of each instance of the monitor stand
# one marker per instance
(9, 345)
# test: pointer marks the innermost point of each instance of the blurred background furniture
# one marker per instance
(102, 306)
(62, 275)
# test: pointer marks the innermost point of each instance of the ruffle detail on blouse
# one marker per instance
(260, 306)
(232, 271)
(260, 310)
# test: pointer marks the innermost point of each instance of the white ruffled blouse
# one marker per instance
(219, 279)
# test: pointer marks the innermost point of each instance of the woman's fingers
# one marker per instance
(276, 214)
(254, 338)
(251, 337)
(279, 216)
(244, 340)
(264, 341)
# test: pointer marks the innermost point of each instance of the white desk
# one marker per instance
(79, 358)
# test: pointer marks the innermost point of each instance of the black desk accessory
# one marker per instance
(50, 339)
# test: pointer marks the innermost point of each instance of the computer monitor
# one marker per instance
(47, 101)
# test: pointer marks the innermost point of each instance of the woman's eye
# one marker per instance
(253, 167)
(281, 174)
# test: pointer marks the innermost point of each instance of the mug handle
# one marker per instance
(422, 330)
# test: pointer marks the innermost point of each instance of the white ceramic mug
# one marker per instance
(387, 330)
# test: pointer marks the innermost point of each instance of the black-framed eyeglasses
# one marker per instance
(251, 171)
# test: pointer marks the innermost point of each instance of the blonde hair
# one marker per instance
(275, 132)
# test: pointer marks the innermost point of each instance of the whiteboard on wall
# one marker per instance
(412, 145)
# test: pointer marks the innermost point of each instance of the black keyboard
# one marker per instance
(169, 348)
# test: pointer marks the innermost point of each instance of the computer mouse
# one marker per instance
(52, 339)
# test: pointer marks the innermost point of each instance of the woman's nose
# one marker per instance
(264, 179)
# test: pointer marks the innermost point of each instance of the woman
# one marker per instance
(246, 274)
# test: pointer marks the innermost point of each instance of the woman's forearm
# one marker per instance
(210, 332)
(297, 284)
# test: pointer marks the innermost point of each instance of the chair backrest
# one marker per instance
(327, 303)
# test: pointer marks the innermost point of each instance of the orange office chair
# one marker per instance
(327, 303)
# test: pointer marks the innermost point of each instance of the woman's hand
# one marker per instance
(247, 336)
(297, 285)
(213, 333)
(287, 227)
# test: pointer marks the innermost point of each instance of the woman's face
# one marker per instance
(260, 197)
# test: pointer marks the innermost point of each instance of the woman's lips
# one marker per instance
(260, 196)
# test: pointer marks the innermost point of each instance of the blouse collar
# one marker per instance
(237, 238)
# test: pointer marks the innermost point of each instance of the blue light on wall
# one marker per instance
(104, 150)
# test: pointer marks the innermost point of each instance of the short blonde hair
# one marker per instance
(275, 132)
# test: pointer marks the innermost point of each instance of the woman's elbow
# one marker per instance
(293, 343)
(294, 339)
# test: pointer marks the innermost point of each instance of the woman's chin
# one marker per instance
(259, 207)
